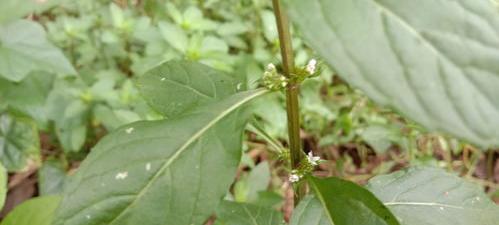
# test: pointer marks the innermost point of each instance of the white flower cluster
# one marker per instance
(311, 67)
(296, 175)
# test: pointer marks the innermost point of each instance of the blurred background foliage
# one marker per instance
(77, 83)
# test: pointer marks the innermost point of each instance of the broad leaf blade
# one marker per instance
(233, 213)
(24, 49)
(175, 87)
(347, 203)
(39, 211)
(421, 196)
(433, 60)
(159, 172)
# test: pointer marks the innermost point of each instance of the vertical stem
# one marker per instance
(292, 105)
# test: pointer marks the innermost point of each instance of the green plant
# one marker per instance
(177, 163)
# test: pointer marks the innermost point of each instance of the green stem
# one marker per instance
(292, 90)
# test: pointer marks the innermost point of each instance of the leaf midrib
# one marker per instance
(185, 147)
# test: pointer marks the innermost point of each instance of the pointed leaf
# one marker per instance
(175, 87)
(39, 211)
(347, 203)
(169, 172)
(433, 60)
(421, 196)
(24, 48)
(233, 213)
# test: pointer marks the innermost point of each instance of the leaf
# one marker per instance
(39, 211)
(19, 142)
(3, 185)
(28, 103)
(421, 196)
(24, 48)
(51, 177)
(13, 9)
(310, 212)
(247, 189)
(233, 213)
(175, 87)
(175, 36)
(433, 60)
(347, 203)
(160, 172)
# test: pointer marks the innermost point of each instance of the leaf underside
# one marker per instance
(433, 60)
(423, 196)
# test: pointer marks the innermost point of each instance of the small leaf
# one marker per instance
(24, 48)
(435, 61)
(347, 203)
(175, 36)
(19, 142)
(39, 211)
(421, 196)
(175, 87)
(310, 212)
(51, 177)
(232, 213)
(168, 172)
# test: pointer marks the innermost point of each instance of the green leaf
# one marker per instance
(51, 177)
(433, 60)
(421, 196)
(164, 172)
(13, 9)
(247, 188)
(310, 212)
(232, 213)
(39, 211)
(24, 48)
(175, 36)
(19, 142)
(28, 103)
(347, 203)
(3, 185)
(176, 87)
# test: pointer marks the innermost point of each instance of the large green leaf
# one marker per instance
(423, 196)
(39, 211)
(433, 60)
(3, 185)
(160, 172)
(178, 86)
(347, 203)
(233, 213)
(24, 48)
(14, 9)
(19, 142)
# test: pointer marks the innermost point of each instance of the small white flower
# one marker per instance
(314, 160)
(293, 178)
(311, 66)
(270, 67)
